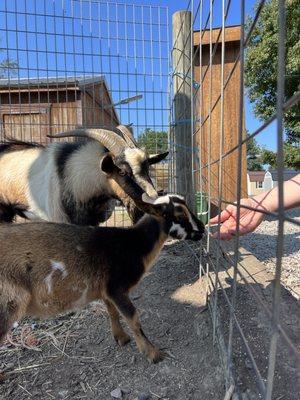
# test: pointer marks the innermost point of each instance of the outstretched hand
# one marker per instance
(249, 219)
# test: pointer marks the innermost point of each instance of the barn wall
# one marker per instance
(231, 112)
(94, 100)
(31, 116)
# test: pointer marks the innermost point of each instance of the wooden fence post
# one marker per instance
(182, 80)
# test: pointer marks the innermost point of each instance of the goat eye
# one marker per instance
(122, 173)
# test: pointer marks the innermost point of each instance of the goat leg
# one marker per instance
(127, 309)
(118, 332)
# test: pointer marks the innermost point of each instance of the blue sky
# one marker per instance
(128, 43)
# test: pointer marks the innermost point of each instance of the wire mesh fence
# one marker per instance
(89, 63)
(208, 130)
(82, 63)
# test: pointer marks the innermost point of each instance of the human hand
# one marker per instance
(249, 219)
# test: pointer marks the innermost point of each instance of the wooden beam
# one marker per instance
(232, 34)
(38, 89)
(182, 78)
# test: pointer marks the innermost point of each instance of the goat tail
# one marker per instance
(9, 211)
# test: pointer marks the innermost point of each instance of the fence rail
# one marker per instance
(207, 125)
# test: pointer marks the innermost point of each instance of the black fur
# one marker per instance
(124, 249)
(17, 145)
(156, 159)
(63, 154)
(8, 212)
(92, 212)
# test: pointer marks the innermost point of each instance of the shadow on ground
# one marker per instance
(256, 327)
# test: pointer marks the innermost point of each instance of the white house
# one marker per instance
(260, 181)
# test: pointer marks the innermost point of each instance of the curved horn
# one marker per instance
(109, 139)
(127, 134)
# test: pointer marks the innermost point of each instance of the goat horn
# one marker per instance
(111, 140)
(127, 134)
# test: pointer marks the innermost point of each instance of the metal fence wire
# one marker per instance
(208, 134)
(89, 63)
(85, 63)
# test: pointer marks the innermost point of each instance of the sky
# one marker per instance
(128, 42)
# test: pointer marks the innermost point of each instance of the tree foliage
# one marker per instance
(8, 67)
(291, 157)
(254, 155)
(261, 64)
(153, 141)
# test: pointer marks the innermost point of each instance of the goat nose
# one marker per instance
(152, 192)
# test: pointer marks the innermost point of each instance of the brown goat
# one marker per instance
(49, 268)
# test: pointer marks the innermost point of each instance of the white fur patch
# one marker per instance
(178, 230)
(56, 266)
(155, 200)
(60, 266)
(135, 157)
(177, 195)
(31, 215)
(192, 222)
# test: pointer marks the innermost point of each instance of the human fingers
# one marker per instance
(225, 214)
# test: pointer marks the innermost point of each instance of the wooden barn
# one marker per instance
(210, 122)
(30, 109)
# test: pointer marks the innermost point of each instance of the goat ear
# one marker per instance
(107, 164)
(158, 205)
(156, 159)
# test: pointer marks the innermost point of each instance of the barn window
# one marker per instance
(258, 185)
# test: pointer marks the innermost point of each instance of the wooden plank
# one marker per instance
(232, 34)
(31, 127)
(182, 55)
(231, 112)
(63, 117)
(41, 89)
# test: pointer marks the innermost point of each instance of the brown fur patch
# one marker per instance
(151, 257)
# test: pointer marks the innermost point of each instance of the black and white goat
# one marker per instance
(49, 268)
(63, 182)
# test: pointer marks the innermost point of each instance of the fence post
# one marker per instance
(182, 80)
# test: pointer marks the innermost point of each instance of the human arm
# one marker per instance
(251, 219)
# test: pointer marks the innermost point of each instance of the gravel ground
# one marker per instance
(262, 244)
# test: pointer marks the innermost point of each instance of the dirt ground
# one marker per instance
(75, 357)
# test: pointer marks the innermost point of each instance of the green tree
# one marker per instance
(269, 158)
(261, 64)
(254, 162)
(153, 141)
(291, 157)
(8, 67)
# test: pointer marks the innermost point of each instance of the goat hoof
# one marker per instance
(2, 377)
(122, 339)
(156, 355)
